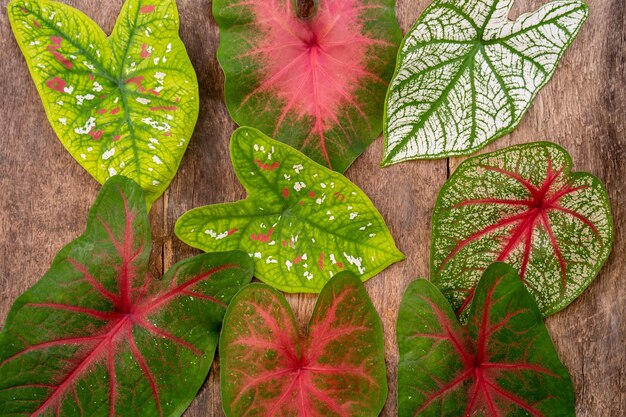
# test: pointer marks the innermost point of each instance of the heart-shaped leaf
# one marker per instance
(502, 365)
(301, 222)
(97, 336)
(521, 205)
(126, 104)
(317, 82)
(466, 74)
(337, 369)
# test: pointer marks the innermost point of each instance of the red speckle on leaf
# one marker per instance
(315, 65)
(97, 135)
(36, 23)
(311, 194)
(339, 265)
(115, 111)
(338, 196)
(232, 231)
(56, 42)
(167, 134)
(297, 259)
(267, 167)
(91, 77)
(147, 9)
(286, 192)
(283, 243)
(117, 137)
(300, 203)
(524, 223)
(177, 100)
(102, 111)
(23, 10)
(262, 237)
(63, 60)
(138, 82)
(144, 51)
(320, 261)
(57, 83)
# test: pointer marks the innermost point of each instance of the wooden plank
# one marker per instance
(46, 195)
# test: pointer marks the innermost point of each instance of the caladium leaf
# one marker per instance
(316, 82)
(337, 369)
(126, 104)
(503, 364)
(521, 205)
(97, 336)
(466, 74)
(301, 222)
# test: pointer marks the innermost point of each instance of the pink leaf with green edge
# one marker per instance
(317, 83)
(502, 364)
(126, 104)
(521, 205)
(337, 369)
(98, 336)
(302, 223)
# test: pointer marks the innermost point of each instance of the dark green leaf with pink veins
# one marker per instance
(521, 205)
(302, 223)
(315, 80)
(125, 104)
(98, 336)
(503, 364)
(336, 370)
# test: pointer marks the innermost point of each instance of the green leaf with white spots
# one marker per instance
(466, 74)
(521, 205)
(302, 223)
(126, 104)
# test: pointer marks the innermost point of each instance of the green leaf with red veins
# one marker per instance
(317, 83)
(503, 364)
(336, 370)
(521, 205)
(302, 223)
(126, 104)
(97, 336)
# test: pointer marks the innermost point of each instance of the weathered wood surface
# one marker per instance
(45, 194)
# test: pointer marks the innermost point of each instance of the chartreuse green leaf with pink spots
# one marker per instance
(315, 80)
(126, 104)
(99, 336)
(302, 223)
(521, 205)
(336, 369)
(502, 364)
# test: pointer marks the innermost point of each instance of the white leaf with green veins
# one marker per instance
(301, 223)
(466, 74)
(126, 104)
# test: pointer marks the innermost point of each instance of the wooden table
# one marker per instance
(45, 194)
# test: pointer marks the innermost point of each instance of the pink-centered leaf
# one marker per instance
(521, 205)
(503, 364)
(317, 83)
(337, 369)
(97, 335)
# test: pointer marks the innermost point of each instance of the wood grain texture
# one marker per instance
(46, 194)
